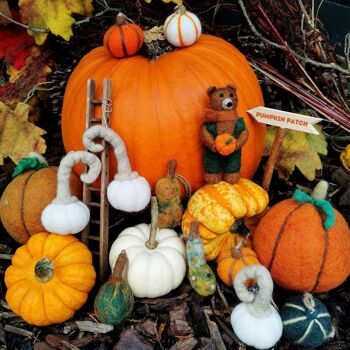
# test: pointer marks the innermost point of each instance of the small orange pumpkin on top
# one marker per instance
(123, 39)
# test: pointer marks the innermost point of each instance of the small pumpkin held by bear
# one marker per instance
(223, 135)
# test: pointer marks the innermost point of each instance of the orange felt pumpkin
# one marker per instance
(123, 39)
(225, 144)
(159, 105)
(234, 255)
(302, 255)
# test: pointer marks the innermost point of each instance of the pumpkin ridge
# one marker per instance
(107, 38)
(179, 30)
(139, 44)
(22, 204)
(193, 23)
(121, 32)
(59, 253)
(325, 252)
(279, 236)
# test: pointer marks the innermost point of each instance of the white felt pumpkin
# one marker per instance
(66, 214)
(182, 28)
(157, 262)
(128, 191)
(255, 321)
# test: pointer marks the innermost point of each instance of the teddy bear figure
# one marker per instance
(223, 135)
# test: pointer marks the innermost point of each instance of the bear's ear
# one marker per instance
(231, 87)
(210, 90)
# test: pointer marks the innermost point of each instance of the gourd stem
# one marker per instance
(194, 227)
(121, 19)
(259, 305)
(309, 301)
(98, 131)
(43, 270)
(171, 169)
(119, 266)
(181, 9)
(237, 250)
(64, 195)
(320, 190)
(152, 242)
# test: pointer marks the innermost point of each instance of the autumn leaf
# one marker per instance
(299, 150)
(18, 136)
(5, 9)
(15, 46)
(53, 15)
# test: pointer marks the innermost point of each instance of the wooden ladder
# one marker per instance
(96, 197)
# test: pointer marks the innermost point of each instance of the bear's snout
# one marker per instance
(227, 104)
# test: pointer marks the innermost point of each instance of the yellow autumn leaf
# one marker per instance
(18, 136)
(53, 15)
(298, 149)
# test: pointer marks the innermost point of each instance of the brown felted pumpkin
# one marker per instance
(234, 255)
(305, 244)
(25, 198)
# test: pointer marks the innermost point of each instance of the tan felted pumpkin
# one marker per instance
(25, 198)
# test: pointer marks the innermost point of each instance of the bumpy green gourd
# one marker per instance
(200, 274)
(115, 301)
(170, 208)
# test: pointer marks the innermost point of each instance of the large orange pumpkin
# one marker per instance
(158, 105)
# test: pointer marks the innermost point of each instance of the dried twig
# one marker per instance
(33, 29)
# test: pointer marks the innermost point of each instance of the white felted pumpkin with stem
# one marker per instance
(157, 257)
(255, 321)
(128, 191)
(182, 28)
(66, 214)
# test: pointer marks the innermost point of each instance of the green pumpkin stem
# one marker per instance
(44, 270)
(171, 169)
(230, 140)
(152, 242)
(119, 266)
(181, 9)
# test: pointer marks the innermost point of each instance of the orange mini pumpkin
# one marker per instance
(162, 123)
(225, 144)
(234, 255)
(301, 251)
(123, 39)
(49, 279)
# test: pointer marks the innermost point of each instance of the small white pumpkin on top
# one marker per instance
(66, 214)
(157, 257)
(255, 321)
(182, 28)
(128, 191)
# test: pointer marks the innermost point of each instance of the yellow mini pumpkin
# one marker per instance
(234, 255)
(217, 207)
(49, 279)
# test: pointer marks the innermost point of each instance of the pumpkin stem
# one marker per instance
(152, 243)
(98, 131)
(155, 43)
(32, 161)
(181, 9)
(121, 19)
(64, 195)
(44, 270)
(259, 304)
(194, 227)
(171, 169)
(237, 250)
(119, 266)
(320, 190)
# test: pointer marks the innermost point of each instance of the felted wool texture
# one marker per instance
(307, 330)
(25, 198)
(301, 247)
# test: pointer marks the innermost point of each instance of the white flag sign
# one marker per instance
(283, 119)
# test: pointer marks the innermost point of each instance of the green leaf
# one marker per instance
(299, 150)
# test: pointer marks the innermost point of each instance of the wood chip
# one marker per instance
(185, 344)
(19, 331)
(89, 326)
(131, 340)
(43, 346)
(214, 332)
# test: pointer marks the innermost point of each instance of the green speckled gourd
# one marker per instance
(170, 208)
(115, 301)
(201, 276)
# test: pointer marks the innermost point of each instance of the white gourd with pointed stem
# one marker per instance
(255, 321)
(66, 214)
(128, 191)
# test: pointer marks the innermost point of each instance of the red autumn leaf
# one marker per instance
(15, 45)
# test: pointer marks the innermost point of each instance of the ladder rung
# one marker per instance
(95, 222)
(96, 101)
(95, 120)
(93, 238)
(94, 204)
(94, 189)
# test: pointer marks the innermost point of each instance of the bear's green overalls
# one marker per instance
(214, 162)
